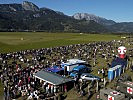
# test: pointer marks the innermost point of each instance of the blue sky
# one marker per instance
(117, 10)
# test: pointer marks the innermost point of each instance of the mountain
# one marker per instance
(19, 7)
(10, 7)
(29, 6)
(110, 25)
(27, 16)
(95, 18)
(122, 27)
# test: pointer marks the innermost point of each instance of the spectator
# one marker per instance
(103, 72)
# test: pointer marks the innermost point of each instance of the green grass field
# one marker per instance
(16, 41)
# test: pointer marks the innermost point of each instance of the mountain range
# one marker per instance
(29, 17)
(95, 18)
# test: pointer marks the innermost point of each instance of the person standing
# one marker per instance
(46, 89)
(5, 92)
(65, 70)
(103, 72)
(65, 87)
(52, 89)
(89, 91)
(99, 71)
(8, 93)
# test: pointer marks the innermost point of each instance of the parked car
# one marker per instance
(87, 76)
(77, 71)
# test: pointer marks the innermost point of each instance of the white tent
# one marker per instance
(71, 63)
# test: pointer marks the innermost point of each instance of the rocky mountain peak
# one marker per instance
(29, 6)
(93, 17)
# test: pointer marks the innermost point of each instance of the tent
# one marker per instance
(119, 61)
(76, 61)
(72, 63)
(51, 78)
(54, 69)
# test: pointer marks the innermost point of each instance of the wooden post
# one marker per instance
(97, 87)
(115, 72)
(124, 69)
(94, 62)
(119, 71)
(104, 82)
(127, 65)
(88, 88)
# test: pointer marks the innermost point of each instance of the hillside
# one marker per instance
(122, 27)
(29, 17)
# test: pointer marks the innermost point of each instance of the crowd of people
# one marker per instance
(17, 68)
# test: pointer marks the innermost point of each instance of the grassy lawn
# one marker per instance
(16, 41)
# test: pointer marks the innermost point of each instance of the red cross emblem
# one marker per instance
(110, 97)
(129, 90)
